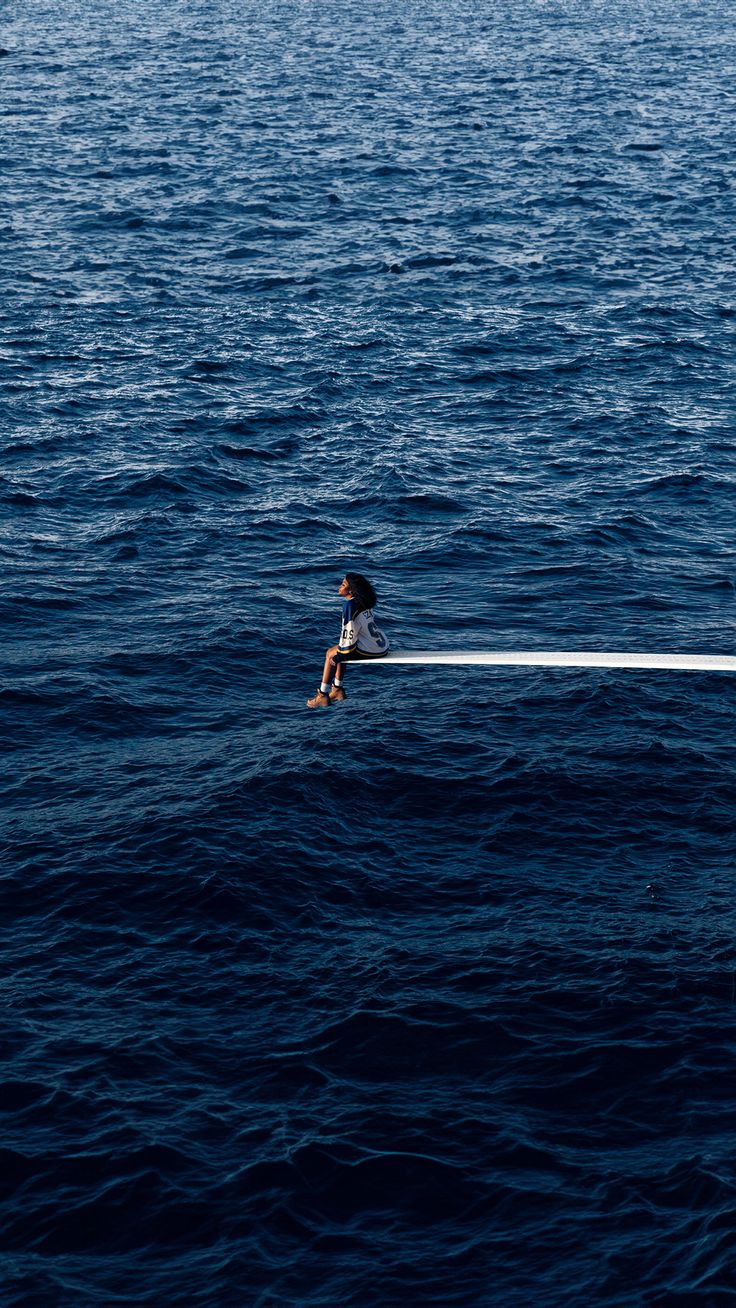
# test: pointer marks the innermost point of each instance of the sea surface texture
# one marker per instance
(428, 998)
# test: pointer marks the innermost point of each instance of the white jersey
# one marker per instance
(360, 633)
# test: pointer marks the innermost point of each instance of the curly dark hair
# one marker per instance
(361, 590)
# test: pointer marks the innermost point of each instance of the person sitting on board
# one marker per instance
(360, 638)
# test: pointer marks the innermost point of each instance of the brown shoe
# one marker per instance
(337, 694)
(320, 700)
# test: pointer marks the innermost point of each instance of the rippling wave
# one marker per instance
(429, 998)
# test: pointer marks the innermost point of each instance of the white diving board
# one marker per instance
(558, 659)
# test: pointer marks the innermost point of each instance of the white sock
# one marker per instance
(338, 681)
(325, 687)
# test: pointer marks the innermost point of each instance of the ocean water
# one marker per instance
(428, 998)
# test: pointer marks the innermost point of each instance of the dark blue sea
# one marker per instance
(428, 998)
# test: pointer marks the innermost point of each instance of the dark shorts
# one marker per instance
(357, 656)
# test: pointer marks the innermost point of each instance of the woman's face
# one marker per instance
(345, 589)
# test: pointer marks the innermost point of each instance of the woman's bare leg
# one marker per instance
(340, 672)
(329, 668)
